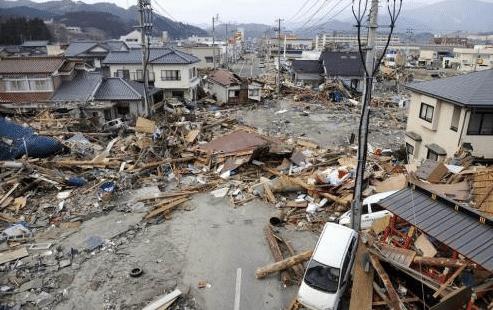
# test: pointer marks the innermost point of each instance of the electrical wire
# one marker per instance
(315, 13)
(299, 10)
(166, 12)
(326, 21)
(307, 11)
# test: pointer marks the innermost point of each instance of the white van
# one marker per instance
(329, 269)
(371, 211)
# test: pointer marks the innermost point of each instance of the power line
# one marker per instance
(166, 12)
(309, 10)
(314, 14)
(320, 26)
(299, 11)
(331, 9)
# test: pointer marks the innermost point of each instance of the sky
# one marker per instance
(200, 12)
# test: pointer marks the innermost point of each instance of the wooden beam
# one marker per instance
(298, 269)
(362, 290)
(439, 261)
(166, 208)
(276, 253)
(394, 300)
(262, 272)
(449, 281)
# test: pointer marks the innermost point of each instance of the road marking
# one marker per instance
(237, 289)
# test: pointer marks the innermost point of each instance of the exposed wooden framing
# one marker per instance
(439, 261)
(394, 300)
(449, 281)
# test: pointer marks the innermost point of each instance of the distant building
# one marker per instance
(93, 52)
(344, 66)
(205, 53)
(450, 113)
(325, 40)
(171, 70)
(307, 72)
(229, 88)
(34, 48)
(470, 59)
(133, 38)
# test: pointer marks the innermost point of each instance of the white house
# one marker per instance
(471, 59)
(173, 71)
(205, 53)
(450, 113)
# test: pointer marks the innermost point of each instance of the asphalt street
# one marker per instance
(249, 67)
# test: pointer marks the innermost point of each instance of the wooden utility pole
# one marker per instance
(365, 116)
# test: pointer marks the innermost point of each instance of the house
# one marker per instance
(427, 58)
(471, 59)
(344, 66)
(450, 113)
(133, 38)
(30, 80)
(34, 48)
(229, 88)
(91, 95)
(171, 70)
(205, 53)
(307, 72)
(92, 52)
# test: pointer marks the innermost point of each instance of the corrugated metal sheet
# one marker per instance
(438, 219)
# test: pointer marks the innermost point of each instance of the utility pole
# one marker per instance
(227, 47)
(356, 207)
(145, 26)
(214, 20)
(278, 88)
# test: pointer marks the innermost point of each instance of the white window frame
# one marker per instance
(29, 82)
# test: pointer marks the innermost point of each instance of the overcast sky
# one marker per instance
(200, 12)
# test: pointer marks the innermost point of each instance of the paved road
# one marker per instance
(249, 67)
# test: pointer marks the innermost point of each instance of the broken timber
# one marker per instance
(276, 252)
(262, 272)
(394, 300)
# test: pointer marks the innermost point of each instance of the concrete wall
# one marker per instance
(202, 53)
(439, 130)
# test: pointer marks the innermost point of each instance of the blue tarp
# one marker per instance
(17, 141)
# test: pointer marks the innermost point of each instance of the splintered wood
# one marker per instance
(483, 190)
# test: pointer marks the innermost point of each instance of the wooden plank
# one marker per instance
(144, 125)
(449, 281)
(401, 256)
(276, 252)
(6, 257)
(394, 300)
(299, 270)
(163, 302)
(9, 193)
(362, 291)
(165, 208)
(264, 271)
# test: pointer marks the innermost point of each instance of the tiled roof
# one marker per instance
(77, 48)
(307, 66)
(342, 64)
(224, 77)
(30, 64)
(25, 97)
(80, 89)
(473, 89)
(156, 56)
(116, 89)
(34, 43)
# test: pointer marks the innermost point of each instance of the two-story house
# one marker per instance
(28, 80)
(450, 113)
(229, 88)
(93, 52)
(173, 71)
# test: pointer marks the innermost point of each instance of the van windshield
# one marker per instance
(322, 277)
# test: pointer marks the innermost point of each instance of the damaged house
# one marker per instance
(173, 71)
(92, 52)
(229, 88)
(90, 94)
(27, 83)
(344, 66)
(450, 113)
(307, 72)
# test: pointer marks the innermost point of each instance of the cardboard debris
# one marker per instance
(145, 125)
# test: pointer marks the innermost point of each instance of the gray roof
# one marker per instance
(460, 230)
(307, 66)
(116, 89)
(342, 64)
(79, 89)
(157, 56)
(34, 43)
(472, 90)
(76, 49)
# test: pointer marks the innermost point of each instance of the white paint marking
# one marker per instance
(238, 289)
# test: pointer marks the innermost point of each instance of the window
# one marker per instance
(426, 112)
(364, 209)
(455, 119)
(377, 208)
(124, 74)
(234, 93)
(170, 75)
(209, 59)
(322, 277)
(481, 123)
(253, 92)
(409, 149)
(28, 85)
(432, 155)
(123, 110)
(192, 72)
(139, 75)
